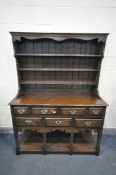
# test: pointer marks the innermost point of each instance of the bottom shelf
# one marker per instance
(59, 147)
(58, 141)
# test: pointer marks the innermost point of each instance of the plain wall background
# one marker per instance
(80, 16)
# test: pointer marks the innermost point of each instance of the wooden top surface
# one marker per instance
(58, 99)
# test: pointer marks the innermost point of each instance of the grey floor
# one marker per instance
(37, 164)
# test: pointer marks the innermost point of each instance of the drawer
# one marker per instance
(88, 122)
(73, 111)
(44, 111)
(96, 111)
(22, 110)
(28, 121)
(58, 121)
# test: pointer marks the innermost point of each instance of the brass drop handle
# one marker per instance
(21, 111)
(58, 122)
(95, 112)
(88, 123)
(28, 121)
(44, 111)
(73, 112)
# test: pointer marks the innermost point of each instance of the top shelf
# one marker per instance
(61, 55)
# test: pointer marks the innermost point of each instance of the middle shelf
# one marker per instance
(59, 82)
(57, 55)
(57, 69)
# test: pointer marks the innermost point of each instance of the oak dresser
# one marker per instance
(58, 108)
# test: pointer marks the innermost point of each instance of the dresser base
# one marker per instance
(84, 142)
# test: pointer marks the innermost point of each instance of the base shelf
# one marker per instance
(58, 142)
(59, 147)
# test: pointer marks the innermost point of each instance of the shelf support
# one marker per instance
(44, 143)
(71, 143)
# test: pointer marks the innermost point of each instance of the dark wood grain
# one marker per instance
(59, 99)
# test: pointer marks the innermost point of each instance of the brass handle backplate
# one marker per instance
(73, 112)
(28, 121)
(58, 122)
(44, 111)
(21, 111)
(88, 123)
(96, 112)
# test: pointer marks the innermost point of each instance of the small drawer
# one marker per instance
(44, 111)
(96, 111)
(73, 111)
(22, 110)
(28, 121)
(88, 123)
(58, 121)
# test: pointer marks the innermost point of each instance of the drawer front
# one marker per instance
(73, 111)
(28, 121)
(88, 123)
(44, 111)
(58, 121)
(96, 111)
(22, 110)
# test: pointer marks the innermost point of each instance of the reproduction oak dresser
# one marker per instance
(58, 108)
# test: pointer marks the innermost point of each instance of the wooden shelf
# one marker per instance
(59, 147)
(57, 69)
(37, 147)
(58, 82)
(55, 55)
(32, 141)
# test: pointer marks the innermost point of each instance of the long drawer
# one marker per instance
(26, 121)
(58, 121)
(43, 111)
(88, 122)
(22, 110)
(73, 111)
